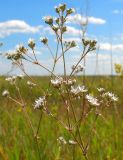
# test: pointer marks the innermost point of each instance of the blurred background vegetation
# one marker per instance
(16, 138)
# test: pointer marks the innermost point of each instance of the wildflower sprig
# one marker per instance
(90, 45)
(58, 25)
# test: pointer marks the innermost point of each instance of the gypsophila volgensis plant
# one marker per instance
(69, 93)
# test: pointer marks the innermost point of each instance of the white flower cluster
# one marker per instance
(61, 140)
(57, 82)
(77, 91)
(69, 82)
(31, 84)
(92, 100)
(72, 142)
(111, 96)
(40, 102)
(78, 69)
(100, 89)
(15, 55)
(12, 79)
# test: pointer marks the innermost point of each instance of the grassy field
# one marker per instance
(17, 141)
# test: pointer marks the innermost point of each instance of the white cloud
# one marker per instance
(116, 11)
(48, 30)
(78, 18)
(108, 47)
(16, 26)
(73, 31)
(76, 39)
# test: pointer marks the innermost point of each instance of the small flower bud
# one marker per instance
(85, 42)
(21, 48)
(31, 43)
(44, 40)
(64, 29)
(48, 20)
(73, 44)
(57, 9)
(70, 11)
(57, 20)
(93, 44)
(55, 28)
(62, 7)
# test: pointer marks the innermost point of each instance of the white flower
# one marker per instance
(61, 140)
(72, 142)
(101, 89)
(31, 84)
(31, 43)
(78, 90)
(57, 82)
(92, 100)
(5, 93)
(70, 82)
(114, 98)
(11, 80)
(40, 102)
(111, 96)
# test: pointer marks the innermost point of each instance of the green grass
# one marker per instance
(17, 141)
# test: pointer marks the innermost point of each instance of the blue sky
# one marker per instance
(26, 18)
